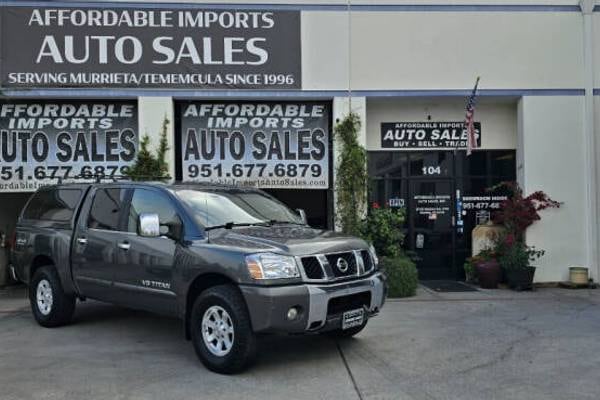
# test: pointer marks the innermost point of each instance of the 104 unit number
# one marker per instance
(431, 170)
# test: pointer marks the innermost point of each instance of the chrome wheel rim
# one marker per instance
(44, 297)
(217, 331)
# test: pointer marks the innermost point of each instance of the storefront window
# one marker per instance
(432, 164)
(503, 164)
(445, 194)
(387, 164)
(475, 165)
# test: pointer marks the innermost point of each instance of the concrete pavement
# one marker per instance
(482, 345)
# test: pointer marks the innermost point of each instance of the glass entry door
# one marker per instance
(431, 234)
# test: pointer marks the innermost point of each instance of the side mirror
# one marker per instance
(174, 230)
(302, 215)
(148, 225)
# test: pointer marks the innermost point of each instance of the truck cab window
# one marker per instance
(106, 209)
(149, 201)
(53, 205)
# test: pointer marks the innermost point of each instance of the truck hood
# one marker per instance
(289, 239)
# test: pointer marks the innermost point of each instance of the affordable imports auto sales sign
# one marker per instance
(197, 48)
(46, 141)
(267, 145)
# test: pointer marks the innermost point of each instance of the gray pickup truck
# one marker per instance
(230, 262)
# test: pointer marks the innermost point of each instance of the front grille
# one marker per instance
(338, 305)
(312, 267)
(367, 260)
(342, 264)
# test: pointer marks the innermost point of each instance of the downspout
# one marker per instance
(590, 176)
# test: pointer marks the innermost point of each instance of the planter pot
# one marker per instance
(578, 275)
(520, 278)
(489, 274)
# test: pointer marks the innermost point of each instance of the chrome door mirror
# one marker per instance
(149, 225)
(302, 215)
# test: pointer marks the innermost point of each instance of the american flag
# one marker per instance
(469, 120)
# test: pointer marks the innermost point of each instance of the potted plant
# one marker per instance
(516, 214)
(470, 271)
(515, 258)
(487, 268)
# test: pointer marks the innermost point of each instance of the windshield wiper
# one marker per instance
(274, 221)
(229, 225)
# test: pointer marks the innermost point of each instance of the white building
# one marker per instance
(401, 62)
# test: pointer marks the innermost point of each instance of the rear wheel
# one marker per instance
(50, 305)
(221, 330)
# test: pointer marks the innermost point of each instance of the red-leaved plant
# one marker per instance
(518, 212)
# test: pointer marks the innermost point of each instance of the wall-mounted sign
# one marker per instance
(42, 142)
(426, 135)
(267, 145)
(195, 48)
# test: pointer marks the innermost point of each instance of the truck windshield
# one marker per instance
(219, 208)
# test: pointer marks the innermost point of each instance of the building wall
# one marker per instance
(451, 58)
(441, 45)
(498, 118)
(553, 145)
(439, 56)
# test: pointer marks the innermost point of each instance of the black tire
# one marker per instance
(346, 333)
(63, 305)
(243, 350)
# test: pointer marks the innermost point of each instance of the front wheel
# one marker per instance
(221, 330)
(51, 306)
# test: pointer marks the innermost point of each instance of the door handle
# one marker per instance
(124, 245)
(82, 240)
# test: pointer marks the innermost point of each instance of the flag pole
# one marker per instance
(457, 146)
(470, 119)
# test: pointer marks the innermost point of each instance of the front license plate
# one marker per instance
(353, 318)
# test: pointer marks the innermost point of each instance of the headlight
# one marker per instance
(374, 255)
(271, 266)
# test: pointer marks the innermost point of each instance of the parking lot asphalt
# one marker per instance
(482, 345)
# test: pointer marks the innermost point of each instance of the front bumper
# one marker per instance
(268, 306)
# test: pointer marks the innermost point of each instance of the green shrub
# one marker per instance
(148, 166)
(402, 276)
(470, 271)
(382, 227)
(351, 175)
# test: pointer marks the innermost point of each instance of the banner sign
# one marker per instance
(426, 135)
(190, 48)
(267, 145)
(44, 142)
